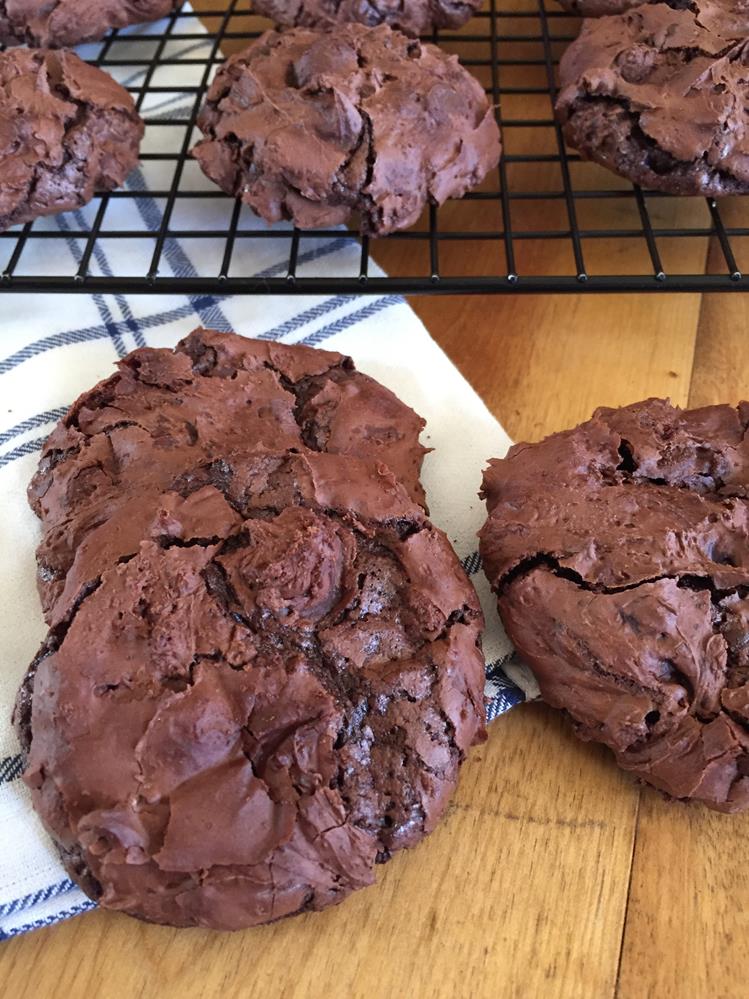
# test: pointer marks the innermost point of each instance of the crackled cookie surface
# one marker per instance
(67, 130)
(57, 23)
(268, 695)
(619, 552)
(412, 17)
(659, 96)
(124, 441)
(315, 126)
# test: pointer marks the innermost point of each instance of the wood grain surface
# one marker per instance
(553, 873)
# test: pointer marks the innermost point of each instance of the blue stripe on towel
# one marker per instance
(37, 924)
(34, 898)
(351, 319)
(11, 768)
(48, 416)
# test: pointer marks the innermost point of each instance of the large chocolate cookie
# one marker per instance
(273, 693)
(67, 130)
(124, 441)
(56, 23)
(316, 125)
(659, 95)
(620, 555)
(412, 17)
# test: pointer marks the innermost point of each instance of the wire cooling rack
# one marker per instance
(545, 221)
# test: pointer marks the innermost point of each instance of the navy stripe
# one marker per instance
(49, 343)
(99, 332)
(37, 924)
(33, 421)
(504, 702)
(130, 321)
(495, 669)
(28, 447)
(505, 694)
(121, 301)
(42, 895)
(11, 768)
(315, 312)
(206, 307)
(371, 309)
(471, 563)
(98, 300)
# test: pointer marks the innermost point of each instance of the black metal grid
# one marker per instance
(545, 221)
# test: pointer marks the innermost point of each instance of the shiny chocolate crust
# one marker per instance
(412, 17)
(67, 130)
(315, 126)
(122, 443)
(619, 552)
(659, 95)
(273, 693)
(56, 23)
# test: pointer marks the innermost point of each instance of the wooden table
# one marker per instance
(553, 873)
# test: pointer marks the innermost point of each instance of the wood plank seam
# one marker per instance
(617, 980)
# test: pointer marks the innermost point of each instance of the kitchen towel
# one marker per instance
(54, 347)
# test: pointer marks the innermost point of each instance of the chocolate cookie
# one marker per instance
(272, 694)
(56, 23)
(412, 17)
(619, 552)
(67, 130)
(313, 126)
(659, 96)
(165, 411)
